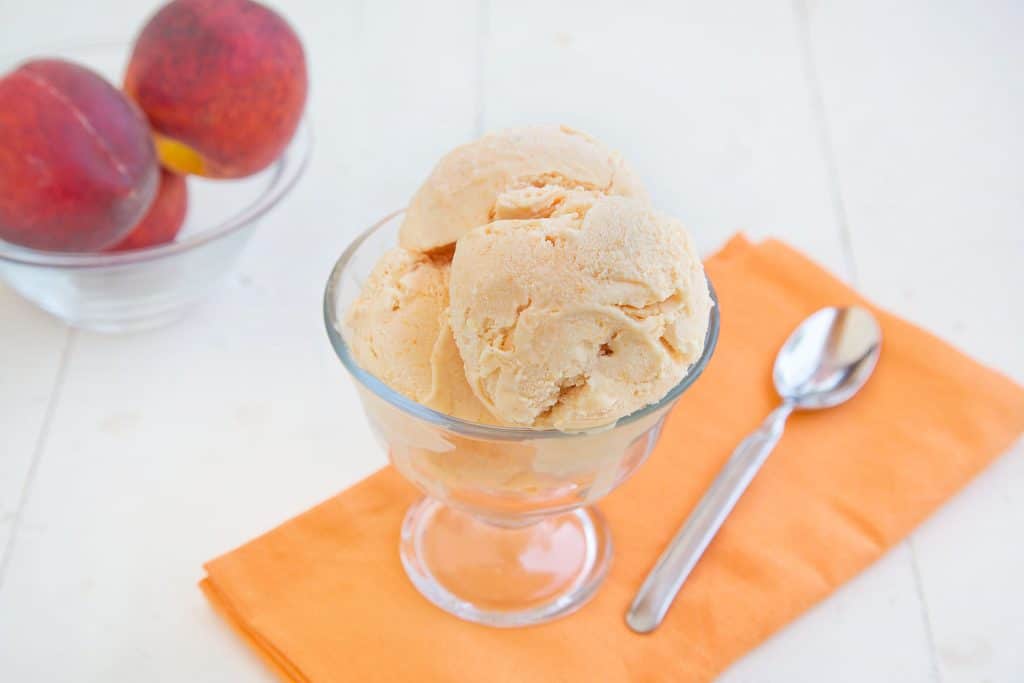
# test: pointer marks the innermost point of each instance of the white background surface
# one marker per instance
(885, 139)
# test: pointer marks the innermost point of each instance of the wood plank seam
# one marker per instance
(926, 617)
(37, 452)
(820, 116)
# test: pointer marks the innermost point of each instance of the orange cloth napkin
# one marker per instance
(323, 597)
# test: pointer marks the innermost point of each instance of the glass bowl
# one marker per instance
(146, 288)
(504, 535)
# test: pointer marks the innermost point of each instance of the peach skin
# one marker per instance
(77, 164)
(165, 217)
(223, 83)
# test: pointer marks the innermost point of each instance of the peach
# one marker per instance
(77, 164)
(223, 83)
(165, 216)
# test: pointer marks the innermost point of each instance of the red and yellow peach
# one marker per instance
(77, 164)
(223, 83)
(165, 217)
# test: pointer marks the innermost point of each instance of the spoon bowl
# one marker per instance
(828, 358)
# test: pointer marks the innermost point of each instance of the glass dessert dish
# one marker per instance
(145, 288)
(504, 535)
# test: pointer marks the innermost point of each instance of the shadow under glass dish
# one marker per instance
(504, 535)
(147, 288)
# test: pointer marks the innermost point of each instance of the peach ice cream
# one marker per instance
(517, 173)
(577, 320)
(569, 302)
(398, 330)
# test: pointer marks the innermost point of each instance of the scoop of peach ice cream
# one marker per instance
(449, 391)
(528, 172)
(398, 331)
(579, 319)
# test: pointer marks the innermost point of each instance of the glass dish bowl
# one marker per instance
(149, 287)
(503, 536)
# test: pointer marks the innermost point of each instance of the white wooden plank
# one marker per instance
(168, 448)
(707, 100)
(924, 104)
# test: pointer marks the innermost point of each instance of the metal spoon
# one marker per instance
(822, 364)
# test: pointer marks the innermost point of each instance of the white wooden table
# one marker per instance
(885, 139)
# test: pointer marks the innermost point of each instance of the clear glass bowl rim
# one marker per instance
(475, 429)
(287, 170)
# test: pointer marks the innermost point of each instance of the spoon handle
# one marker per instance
(678, 560)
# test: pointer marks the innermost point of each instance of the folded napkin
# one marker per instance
(324, 598)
